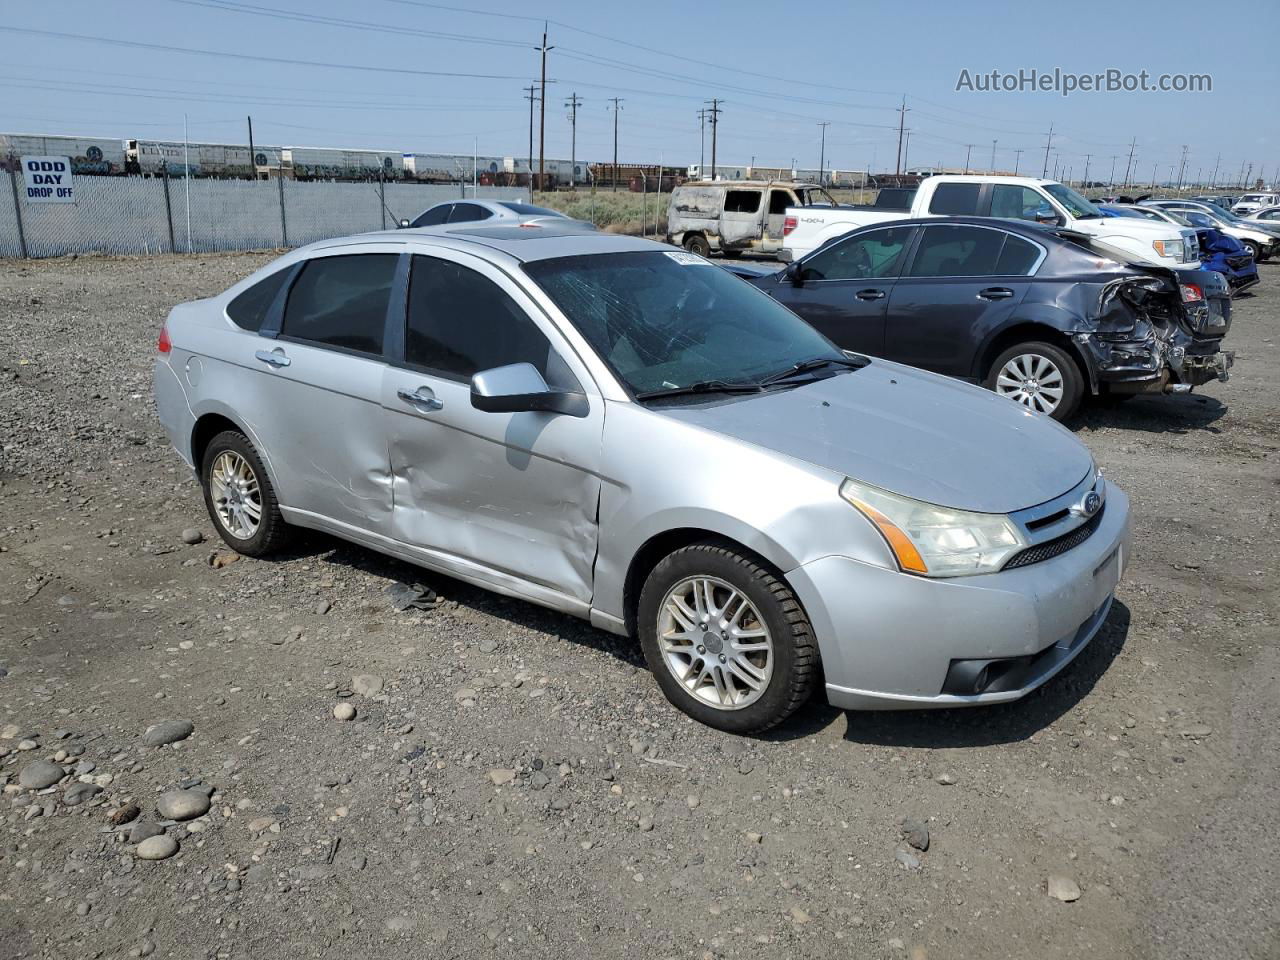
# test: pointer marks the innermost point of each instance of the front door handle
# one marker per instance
(870, 294)
(995, 293)
(424, 398)
(273, 358)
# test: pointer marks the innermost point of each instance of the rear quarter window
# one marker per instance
(250, 308)
(742, 201)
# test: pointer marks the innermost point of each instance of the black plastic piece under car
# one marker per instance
(1057, 546)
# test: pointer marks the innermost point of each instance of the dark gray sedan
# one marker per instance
(1039, 315)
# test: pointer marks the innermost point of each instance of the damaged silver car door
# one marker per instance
(512, 492)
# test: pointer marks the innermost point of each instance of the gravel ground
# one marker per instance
(513, 783)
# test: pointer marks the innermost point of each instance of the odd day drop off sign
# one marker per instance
(48, 179)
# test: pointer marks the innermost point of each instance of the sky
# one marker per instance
(416, 76)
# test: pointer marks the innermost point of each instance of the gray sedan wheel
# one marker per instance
(726, 639)
(239, 497)
(1040, 376)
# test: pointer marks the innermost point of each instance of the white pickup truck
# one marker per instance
(1020, 198)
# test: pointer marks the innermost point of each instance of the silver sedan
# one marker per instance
(627, 433)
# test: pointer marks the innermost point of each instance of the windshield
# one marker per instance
(663, 320)
(1250, 198)
(1076, 205)
(816, 197)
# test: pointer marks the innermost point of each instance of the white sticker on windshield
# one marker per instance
(689, 259)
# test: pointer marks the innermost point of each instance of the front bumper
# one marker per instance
(890, 641)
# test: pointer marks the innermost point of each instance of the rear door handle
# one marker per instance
(995, 293)
(273, 358)
(424, 398)
(870, 294)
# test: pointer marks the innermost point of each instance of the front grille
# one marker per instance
(1058, 546)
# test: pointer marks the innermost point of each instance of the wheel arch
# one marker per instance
(660, 545)
(1026, 331)
(211, 422)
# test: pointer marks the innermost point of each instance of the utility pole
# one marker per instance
(253, 167)
(902, 119)
(1084, 183)
(1047, 144)
(1111, 181)
(530, 97)
(968, 149)
(1217, 160)
(993, 157)
(542, 108)
(1155, 166)
(714, 113)
(1017, 161)
(1248, 177)
(1132, 144)
(1240, 179)
(822, 156)
(906, 149)
(615, 101)
(1182, 167)
(702, 150)
(574, 102)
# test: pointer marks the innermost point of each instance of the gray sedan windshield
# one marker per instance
(666, 320)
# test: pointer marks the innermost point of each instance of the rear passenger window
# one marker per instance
(436, 215)
(467, 212)
(957, 252)
(461, 322)
(955, 199)
(342, 301)
(1018, 257)
(742, 201)
(249, 309)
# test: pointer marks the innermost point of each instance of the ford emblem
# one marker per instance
(1090, 505)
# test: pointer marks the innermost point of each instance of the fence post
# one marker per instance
(17, 212)
(284, 229)
(168, 207)
(382, 198)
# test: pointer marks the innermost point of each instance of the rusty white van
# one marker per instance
(736, 216)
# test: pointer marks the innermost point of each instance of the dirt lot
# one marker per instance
(514, 784)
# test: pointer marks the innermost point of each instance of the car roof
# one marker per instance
(1011, 224)
(545, 241)
(746, 184)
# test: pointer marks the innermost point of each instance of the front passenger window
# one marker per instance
(342, 301)
(460, 322)
(873, 255)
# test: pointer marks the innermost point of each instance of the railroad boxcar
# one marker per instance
(197, 159)
(88, 155)
(329, 163)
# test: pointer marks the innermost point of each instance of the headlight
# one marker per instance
(1168, 248)
(936, 541)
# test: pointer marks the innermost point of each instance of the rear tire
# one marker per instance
(743, 660)
(239, 497)
(1040, 377)
(697, 243)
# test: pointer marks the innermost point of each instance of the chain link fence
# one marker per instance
(146, 215)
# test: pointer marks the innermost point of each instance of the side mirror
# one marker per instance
(1046, 216)
(519, 388)
(793, 273)
(403, 224)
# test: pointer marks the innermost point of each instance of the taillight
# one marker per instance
(1191, 293)
(788, 225)
(162, 343)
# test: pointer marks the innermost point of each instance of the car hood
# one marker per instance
(911, 432)
(1132, 227)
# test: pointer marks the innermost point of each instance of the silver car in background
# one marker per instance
(624, 432)
(508, 212)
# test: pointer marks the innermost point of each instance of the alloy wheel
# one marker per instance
(1032, 380)
(715, 643)
(237, 499)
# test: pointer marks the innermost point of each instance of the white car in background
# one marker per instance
(491, 212)
(1253, 202)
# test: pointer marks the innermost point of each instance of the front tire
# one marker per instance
(239, 497)
(726, 639)
(1040, 376)
(1255, 249)
(697, 243)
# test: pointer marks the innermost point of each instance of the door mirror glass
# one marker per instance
(520, 388)
(793, 272)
